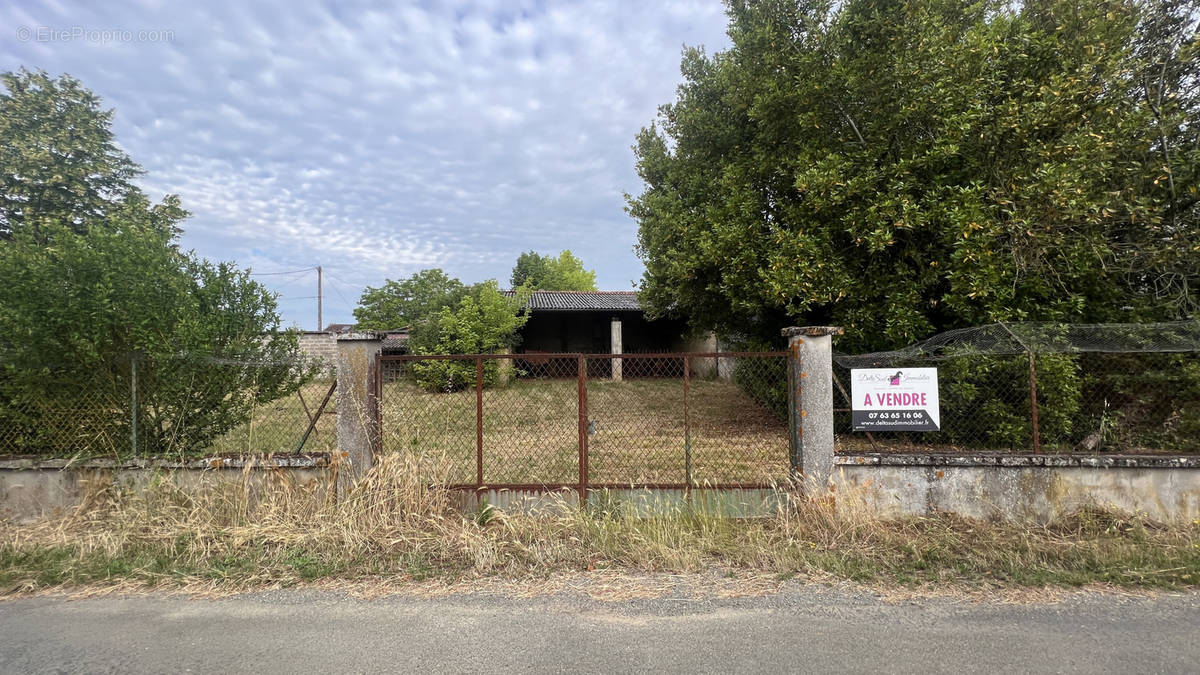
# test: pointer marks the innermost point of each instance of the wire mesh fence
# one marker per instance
(672, 420)
(591, 420)
(175, 406)
(1040, 387)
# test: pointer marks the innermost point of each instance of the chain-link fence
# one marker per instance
(591, 420)
(1046, 387)
(182, 405)
(627, 419)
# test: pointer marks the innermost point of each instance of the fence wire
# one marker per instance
(184, 405)
(631, 419)
(1047, 387)
(544, 420)
(1040, 338)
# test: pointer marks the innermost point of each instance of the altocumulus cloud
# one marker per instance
(376, 139)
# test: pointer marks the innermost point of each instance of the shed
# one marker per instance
(599, 322)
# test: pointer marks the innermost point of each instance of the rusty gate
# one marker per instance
(547, 421)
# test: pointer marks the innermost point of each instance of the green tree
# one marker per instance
(905, 168)
(548, 273)
(485, 321)
(80, 307)
(530, 268)
(94, 281)
(405, 303)
(58, 158)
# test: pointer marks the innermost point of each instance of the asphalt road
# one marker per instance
(802, 629)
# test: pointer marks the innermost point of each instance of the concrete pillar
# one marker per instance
(706, 367)
(724, 364)
(358, 403)
(615, 348)
(504, 368)
(810, 403)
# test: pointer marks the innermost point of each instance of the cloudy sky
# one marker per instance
(377, 140)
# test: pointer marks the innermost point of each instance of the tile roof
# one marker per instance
(600, 301)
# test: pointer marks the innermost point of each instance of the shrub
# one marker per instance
(764, 380)
(1141, 401)
(485, 321)
(988, 396)
(82, 307)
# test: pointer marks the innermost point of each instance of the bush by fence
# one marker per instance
(183, 405)
(1112, 387)
(765, 382)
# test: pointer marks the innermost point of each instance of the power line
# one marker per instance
(268, 274)
(343, 297)
(304, 272)
(285, 284)
(335, 288)
(296, 276)
(341, 280)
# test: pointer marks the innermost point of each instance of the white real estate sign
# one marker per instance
(894, 399)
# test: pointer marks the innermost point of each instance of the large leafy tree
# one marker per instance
(95, 285)
(404, 303)
(81, 309)
(549, 273)
(59, 160)
(903, 168)
(445, 316)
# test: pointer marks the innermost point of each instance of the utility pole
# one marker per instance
(320, 323)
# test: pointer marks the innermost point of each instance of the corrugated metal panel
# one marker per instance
(610, 301)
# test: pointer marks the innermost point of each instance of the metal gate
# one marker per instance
(547, 421)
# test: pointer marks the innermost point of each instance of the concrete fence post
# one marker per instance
(358, 433)
(616, 346)
(810, 402)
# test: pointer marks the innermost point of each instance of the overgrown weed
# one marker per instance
(264, 529)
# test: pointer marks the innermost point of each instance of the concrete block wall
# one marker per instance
(319, 345)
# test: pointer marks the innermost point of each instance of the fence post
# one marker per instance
(1033, 404)
(358, 379)
(810, 402)
(478, 422)
(616, 346)
(133, 404)
(583, 430)
(687, 423)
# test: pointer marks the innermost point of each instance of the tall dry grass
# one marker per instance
(263, 528)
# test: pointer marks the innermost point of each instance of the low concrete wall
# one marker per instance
(643, 501)
(1037, 487)
(31, 489)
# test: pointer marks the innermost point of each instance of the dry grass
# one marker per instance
(391, 527)
(531, 432)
